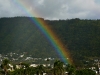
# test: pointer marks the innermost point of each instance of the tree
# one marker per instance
(85, 72)
(40, 70)
(58, 68)
(70, 69)
(5, 65)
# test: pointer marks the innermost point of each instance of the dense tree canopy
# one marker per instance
(20, 34)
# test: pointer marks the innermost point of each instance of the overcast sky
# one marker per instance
(52, 9)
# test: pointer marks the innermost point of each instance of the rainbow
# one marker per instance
(45, 29)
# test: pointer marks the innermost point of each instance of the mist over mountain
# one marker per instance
(20, 34)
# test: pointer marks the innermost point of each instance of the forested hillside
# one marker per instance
(81, 37)
(21, 35)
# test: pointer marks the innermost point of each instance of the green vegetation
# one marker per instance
(21, 35)
(57, 69)
(85, 72)
(5, 66)
(81, 37)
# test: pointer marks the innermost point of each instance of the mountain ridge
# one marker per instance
(20, 34)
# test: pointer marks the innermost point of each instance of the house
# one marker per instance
(10, 67)
(33, 65)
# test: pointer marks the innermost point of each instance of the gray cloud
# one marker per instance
(52, 9)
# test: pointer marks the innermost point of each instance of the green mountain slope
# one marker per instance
(21, 35)
(81, 37)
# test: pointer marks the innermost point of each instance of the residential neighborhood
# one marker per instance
(21, 61)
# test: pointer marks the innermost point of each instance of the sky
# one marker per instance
(52, 9)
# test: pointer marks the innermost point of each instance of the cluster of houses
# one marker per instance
(21, 57)
(19, 66)
(17, 57)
